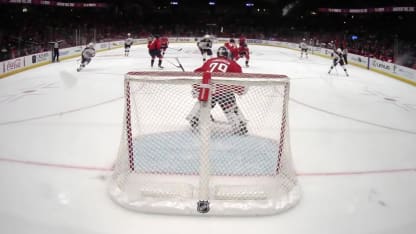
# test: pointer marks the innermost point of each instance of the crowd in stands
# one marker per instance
(32, 33)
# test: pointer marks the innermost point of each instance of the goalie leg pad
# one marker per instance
(195, 111)
(233, 114)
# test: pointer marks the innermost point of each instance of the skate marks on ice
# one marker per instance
(37, 89)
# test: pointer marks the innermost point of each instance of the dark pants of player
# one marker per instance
(338, 61)
(204, 53)
(126, 49)
(55, 55)
(155, 53)
(85, 61)
(207, 51)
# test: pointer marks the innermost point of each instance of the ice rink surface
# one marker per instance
(353, 144)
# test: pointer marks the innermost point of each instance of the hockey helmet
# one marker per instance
(90, 45)
(207, 36)
(232, 40)
(339, 50)
(128, 34)
(222, 52)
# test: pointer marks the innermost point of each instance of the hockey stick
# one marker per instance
(178, 66)
(180, 49)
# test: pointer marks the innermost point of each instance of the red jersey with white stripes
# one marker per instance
(221, 64)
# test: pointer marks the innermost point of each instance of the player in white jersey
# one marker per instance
(86, 56)
(303, 48)
(127, 44)
(338, 59)
(205, 47)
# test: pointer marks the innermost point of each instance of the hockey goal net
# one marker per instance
(212, 144)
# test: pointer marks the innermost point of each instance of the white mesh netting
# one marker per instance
(231, 153)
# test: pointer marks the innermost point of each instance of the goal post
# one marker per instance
(205, 144)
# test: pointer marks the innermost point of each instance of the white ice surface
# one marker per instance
(353, 142)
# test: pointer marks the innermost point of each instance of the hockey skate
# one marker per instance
(80, 67)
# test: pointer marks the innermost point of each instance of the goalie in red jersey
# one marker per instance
(222, 94)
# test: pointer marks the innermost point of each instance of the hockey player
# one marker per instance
(154, 46)
(243, 50)
(232, 48)
(242, 41)
(224, 95)
(164, 43)
(338, 59)
(205, 47)
(127, 44)
(332, 47)
(303, 48)
(86, 56)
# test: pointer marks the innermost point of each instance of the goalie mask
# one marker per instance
(223, 52)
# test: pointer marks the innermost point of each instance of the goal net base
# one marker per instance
(179, 195)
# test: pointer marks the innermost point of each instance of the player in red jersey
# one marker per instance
(154, 46)
(164, 43)
(243, 50)
(232, 47)
(242, 41)
(222, 94)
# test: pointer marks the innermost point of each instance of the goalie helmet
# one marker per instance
(223, 52)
